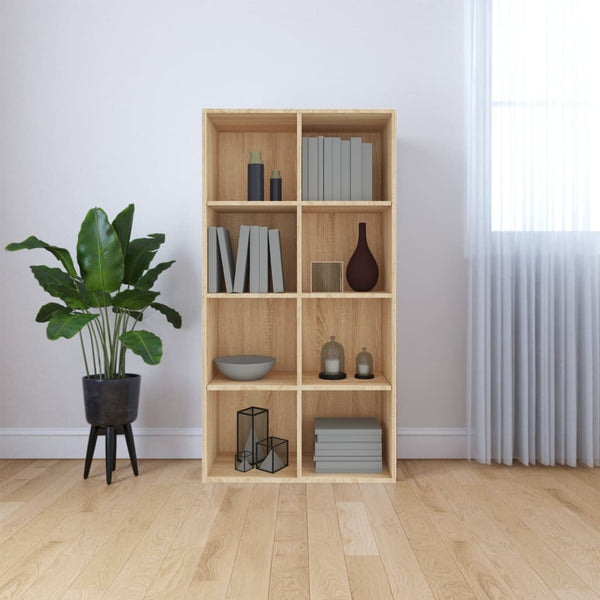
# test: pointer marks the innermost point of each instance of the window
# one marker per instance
(545, 121)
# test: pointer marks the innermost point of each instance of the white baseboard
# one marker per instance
(186, 442)
(50, 442)
(432, 442)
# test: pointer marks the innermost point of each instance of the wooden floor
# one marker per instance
(446, 529)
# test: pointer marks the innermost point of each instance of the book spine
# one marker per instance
(226, 257)
(215, 270)
(345, 170)
(276, 260)
(327, 169)
(336, 169)
(304, 169)
(313, 175)
(367, 171)
(355, 169)
(320, 165)
(254, 259)
(263, 286)
(241, 267)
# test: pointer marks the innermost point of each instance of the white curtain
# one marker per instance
(533, 229)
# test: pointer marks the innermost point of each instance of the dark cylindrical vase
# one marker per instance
(275, 187)
(256, 177)
(111, 401)
(362, 271)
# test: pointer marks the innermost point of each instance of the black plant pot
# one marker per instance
(111, 405)
(111, 401)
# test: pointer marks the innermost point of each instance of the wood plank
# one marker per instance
(367, 578)
(441, 572)
(252, 566)
(177, 570)
(213, 572)
(140, 568)
(289, 567)
(401, 566)
(136, 518)
(328, 575)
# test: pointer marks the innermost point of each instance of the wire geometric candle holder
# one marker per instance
(275, 452)
(252, 427)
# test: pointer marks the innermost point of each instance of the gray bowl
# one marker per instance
(244, 367)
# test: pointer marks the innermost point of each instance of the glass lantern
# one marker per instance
(252, 427)
(332, 360)
(364, 365)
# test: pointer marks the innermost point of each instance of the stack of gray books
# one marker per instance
(258, 249)
(347, 445)
(334, 169)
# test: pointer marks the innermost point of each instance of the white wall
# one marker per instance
(101, 104)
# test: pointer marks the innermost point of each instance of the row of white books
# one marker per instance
(336, 170)
(258, 248)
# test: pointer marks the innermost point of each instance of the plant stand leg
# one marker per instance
(110, 452)
(131, 447)
(90, 450)
(114, 452)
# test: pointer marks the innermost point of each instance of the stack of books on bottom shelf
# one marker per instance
(347, 445)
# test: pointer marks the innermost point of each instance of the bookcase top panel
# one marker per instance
(252, 120)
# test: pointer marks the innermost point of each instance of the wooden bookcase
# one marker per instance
(292, 326)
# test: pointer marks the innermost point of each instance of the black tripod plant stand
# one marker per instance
(110, 432)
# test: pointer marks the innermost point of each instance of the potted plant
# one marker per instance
(103, 304)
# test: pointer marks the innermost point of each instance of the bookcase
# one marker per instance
(292, 326)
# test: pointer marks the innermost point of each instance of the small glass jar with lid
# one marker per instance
(364, 365)
(332, 360)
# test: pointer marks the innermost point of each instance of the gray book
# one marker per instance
(276, 260)
(367, 171)
(215, 269)
(355, 168)
(349, 458)
(336, 168)
(345, 167)
(320, 164)
(254, 285)
(240, 281)
(347, 454)
(343, 446)
(337, 467)
(226, 253)
(327, 169)
(263, 248)
(346, 424)
(313, 171)
(304, 168)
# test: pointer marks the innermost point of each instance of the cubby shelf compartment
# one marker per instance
(292, 326)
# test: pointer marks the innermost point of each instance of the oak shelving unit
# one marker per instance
(293, 326)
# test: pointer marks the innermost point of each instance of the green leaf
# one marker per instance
(99, 253)
(123, 223)
(66, 325)
(93, 299)
(148, 279)
(46, 312)
(140, 253)
(172, 315)
(32, 243)
(60, 285)
(144, 344)
(134, 299)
